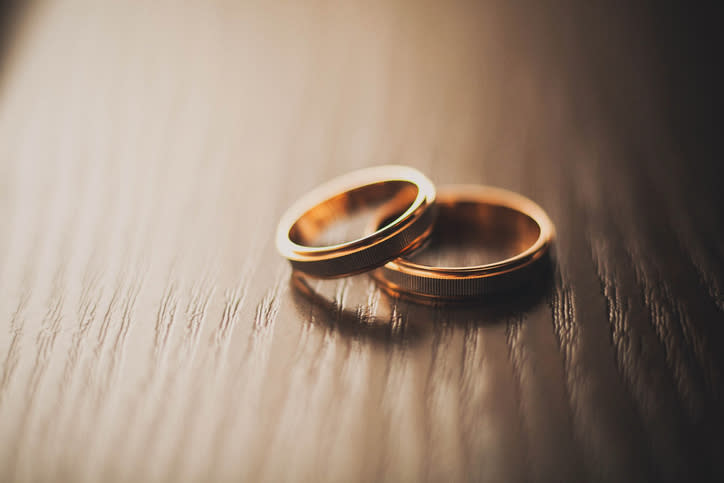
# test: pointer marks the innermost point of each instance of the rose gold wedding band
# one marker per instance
(486, 210)
(402, 188)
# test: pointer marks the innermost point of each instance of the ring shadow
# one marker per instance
(388, 319)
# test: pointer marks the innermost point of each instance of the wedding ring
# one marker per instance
(513, 224)
(402, 189)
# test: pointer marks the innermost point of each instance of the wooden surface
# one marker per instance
(150, 332)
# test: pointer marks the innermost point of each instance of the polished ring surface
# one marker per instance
(466, 209)
(402, 188)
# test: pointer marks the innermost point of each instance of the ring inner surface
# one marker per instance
(473, 233)
(343, 218)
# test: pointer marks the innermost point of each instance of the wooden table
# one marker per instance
(150, 331)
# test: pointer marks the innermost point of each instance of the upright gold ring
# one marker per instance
(405, 190)
(483, 212)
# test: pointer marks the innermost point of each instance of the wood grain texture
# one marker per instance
(151, 332)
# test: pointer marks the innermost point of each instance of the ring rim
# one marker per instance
(404, 277)
(406, 232)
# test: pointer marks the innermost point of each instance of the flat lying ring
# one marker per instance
(482, 212)
(404, 189)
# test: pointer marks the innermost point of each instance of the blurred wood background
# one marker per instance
(149, 329)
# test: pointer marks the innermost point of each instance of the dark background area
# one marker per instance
(688, 43)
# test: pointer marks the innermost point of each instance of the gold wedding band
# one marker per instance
(483, 212)
(401, 188)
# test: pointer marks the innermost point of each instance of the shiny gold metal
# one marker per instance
(402, 189)
(485, 213)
